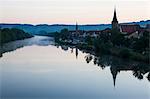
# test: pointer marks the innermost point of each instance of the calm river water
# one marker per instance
(37, 69)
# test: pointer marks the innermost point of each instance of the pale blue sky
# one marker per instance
(70, 11)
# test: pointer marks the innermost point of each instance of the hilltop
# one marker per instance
(45, 28)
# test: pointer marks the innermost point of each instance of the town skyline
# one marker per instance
(69, 12)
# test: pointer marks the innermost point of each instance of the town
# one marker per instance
(124, 40)
(128, 30)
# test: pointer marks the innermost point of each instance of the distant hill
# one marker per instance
(141, 23)
(45, 28)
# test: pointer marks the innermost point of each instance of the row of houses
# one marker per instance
(128, 30)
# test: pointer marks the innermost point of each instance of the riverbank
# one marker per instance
(13, 34)
(110, 43)
(121, 52)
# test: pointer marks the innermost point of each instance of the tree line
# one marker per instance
(117, 44)
(12, 34)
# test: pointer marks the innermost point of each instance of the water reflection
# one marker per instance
(139, 70)
(36, 40)
(76, 53)
(66, 72)
(117, 65)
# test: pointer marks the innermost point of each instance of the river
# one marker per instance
(36, 68)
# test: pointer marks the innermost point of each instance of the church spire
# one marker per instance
(76, 26)
(115, 16)
(115, 24)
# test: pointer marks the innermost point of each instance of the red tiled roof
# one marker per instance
(129, 28)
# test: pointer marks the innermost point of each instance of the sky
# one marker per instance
(72, 11)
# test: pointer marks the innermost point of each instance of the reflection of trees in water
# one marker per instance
(140, 71)
(102, 62)
(37, 40)
(148, 77)
(71, 50)
(88, 58)
(117, 65)
(66, 48)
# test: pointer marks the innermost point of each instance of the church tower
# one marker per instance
(76, 26)
(114, 23)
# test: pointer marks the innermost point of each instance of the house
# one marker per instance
(130, 30)
(92, 33)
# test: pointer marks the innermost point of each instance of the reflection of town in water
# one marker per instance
(139, 70)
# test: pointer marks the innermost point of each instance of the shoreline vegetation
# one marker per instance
(13, 34)
(113, 43)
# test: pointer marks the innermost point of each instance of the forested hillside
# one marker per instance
(7, 35)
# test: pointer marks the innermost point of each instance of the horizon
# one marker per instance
(73, 23)
(71, 11)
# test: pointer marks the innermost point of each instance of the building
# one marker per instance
(81, 34)
(128, 30)
(114, 23)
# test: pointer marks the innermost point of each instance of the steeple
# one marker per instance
(115, 24)
(115, 16)
(76, 26)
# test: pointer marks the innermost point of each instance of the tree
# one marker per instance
(117, 38)
(89, 40)
(7, 35)
(142, 44)
(64, 34)
(124, 53)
